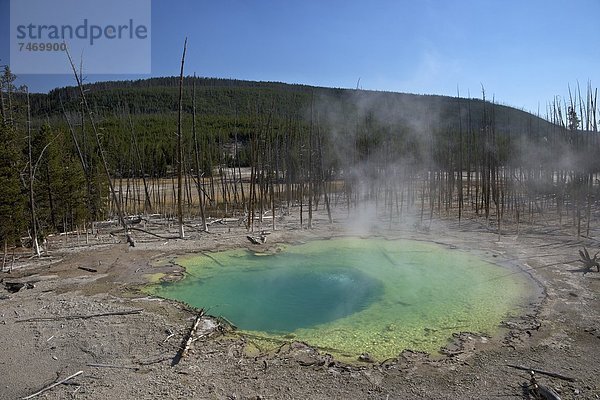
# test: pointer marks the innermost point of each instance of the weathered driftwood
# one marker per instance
(539, 371)
(69, 317)
(52, 386)
(189, 340)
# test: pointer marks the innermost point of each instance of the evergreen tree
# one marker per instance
(59, 181)
(12, 200)
(7, 89)
(573, 119)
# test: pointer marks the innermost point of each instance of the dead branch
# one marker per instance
(156, 361)
(168, 337)
(112, 366)
(153, 234)
(539, 371)
(183, 350)
(212, 258)
(226, 323)
(52, 386)
(70, 317)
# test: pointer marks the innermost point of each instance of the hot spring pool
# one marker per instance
(353, 295)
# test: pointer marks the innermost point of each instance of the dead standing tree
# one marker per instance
(34, 233)
(199, 182)
(180, 149)
(100, 149)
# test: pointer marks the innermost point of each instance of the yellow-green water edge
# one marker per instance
(353, 295)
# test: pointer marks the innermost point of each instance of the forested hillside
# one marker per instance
(248, 147)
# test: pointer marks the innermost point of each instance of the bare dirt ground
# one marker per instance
(52, 329)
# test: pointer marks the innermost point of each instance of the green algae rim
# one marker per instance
(386, 340)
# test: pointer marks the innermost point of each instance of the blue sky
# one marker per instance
(524, 52)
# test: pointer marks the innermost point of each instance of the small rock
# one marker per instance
(366, 357)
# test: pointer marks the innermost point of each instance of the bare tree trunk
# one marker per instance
(460, 161)
(98, 143)
(180, 149)
(4, 255)
(252, 193)
(34, 242)
(197, 156)
(147, 202)
(322, 175)
(310, 169)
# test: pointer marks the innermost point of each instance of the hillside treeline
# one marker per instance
(251, 147)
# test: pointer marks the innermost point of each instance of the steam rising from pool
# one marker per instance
(353, 295)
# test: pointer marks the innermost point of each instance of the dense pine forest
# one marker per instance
(202, 148)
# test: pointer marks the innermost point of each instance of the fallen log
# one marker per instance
(14, 287)
(88, 269)
(153, 234)
(253, 240)
(190, 338)
(547, 373)
(52, 386)
(70, 317)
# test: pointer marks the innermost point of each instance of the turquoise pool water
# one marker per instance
(353, 295)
